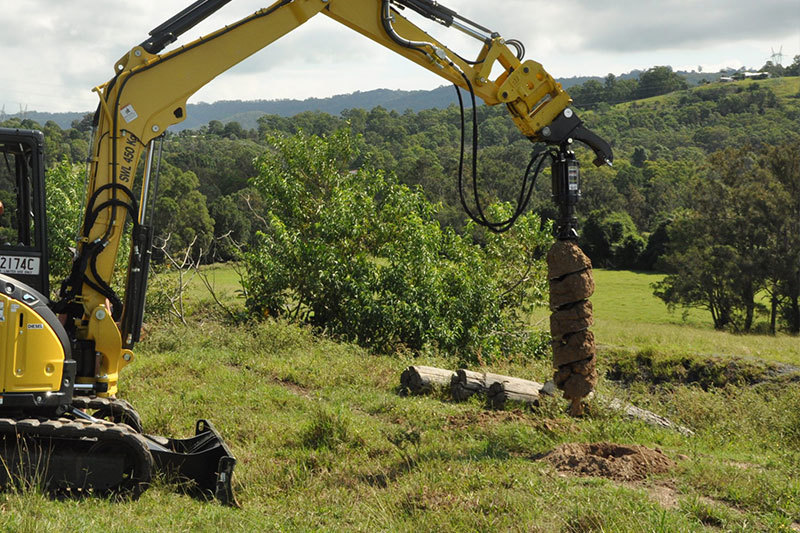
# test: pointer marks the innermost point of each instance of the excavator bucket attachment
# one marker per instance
(203, 463)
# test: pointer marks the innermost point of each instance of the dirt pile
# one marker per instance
(613, 461)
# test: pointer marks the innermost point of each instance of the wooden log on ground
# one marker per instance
(649, 417)
(505, 388)
(465, 383)
(423, 379)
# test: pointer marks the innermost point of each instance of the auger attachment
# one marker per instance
(571, 285)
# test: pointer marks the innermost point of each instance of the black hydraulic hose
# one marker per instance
(526, 189)
(90, 209)
(386, 20)
(111, 203)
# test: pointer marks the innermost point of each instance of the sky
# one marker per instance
(52, 52)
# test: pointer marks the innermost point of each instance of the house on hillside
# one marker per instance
(751, 75)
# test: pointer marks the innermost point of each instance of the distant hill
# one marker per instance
(247, 112)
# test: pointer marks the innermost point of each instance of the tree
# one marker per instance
(794, 68)
(611, 240)
(783, 163)
(64, 194)
(659, 80)
(181, 214)
(718, 250)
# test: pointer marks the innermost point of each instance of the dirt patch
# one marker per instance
(663, 494)
(619, 462)
(482, 419)
(294, 388)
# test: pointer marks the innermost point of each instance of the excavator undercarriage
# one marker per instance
(75, 457)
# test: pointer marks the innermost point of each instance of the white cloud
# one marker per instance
(52, 53)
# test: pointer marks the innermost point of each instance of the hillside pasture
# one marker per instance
(324, 441)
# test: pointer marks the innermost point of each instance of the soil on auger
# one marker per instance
(571, 285)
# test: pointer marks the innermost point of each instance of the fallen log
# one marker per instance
(465, 383)
(649, 417)
(497, 387)
(519, 390)
(423, 379)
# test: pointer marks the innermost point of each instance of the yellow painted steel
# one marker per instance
(34, 356)
(108, 343)
(148, 93)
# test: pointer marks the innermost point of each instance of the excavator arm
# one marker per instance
(149, 91)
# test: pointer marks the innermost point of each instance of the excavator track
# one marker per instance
(113, 409)
(74, 458)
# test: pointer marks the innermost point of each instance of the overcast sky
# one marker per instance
(52, 52)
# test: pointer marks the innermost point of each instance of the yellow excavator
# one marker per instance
(60, 419)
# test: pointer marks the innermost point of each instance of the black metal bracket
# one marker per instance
(204, 462)
(567, 127)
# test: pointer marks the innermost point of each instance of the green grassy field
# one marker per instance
(627, 315)
(785, 87)
(325, 442)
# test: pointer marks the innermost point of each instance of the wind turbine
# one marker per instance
(777, 57)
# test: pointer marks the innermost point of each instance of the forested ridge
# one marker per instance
(247, 112)
(705, 184)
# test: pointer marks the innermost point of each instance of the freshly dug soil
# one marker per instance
(605, 459)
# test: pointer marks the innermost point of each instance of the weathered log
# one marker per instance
(423, 379)
(465, 383)
(649, 417)
(523, 391)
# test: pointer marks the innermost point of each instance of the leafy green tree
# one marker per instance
(64, 201)
(783, 162)
(357, 254)
(794, 68)
(222, 165)
(181, 216)
(702, 276)
(233, 226)
(728, 229)
(659, 80)
(611, 240)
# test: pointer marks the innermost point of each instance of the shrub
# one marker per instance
(358, 255)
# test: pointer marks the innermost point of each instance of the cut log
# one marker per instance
(465, 383)
(423, 379)
(508, 389)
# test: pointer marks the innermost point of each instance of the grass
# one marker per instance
(787, 88)
(325, 443)
(628, 316)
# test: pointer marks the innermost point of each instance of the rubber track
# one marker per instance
(119, 410)
(79, 432)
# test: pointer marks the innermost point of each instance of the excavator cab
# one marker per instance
(23, 226)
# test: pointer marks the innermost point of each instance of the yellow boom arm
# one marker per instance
(149, 91)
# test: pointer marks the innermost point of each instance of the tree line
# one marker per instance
(683, 160)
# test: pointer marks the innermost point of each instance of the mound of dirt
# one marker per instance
(605, 459)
